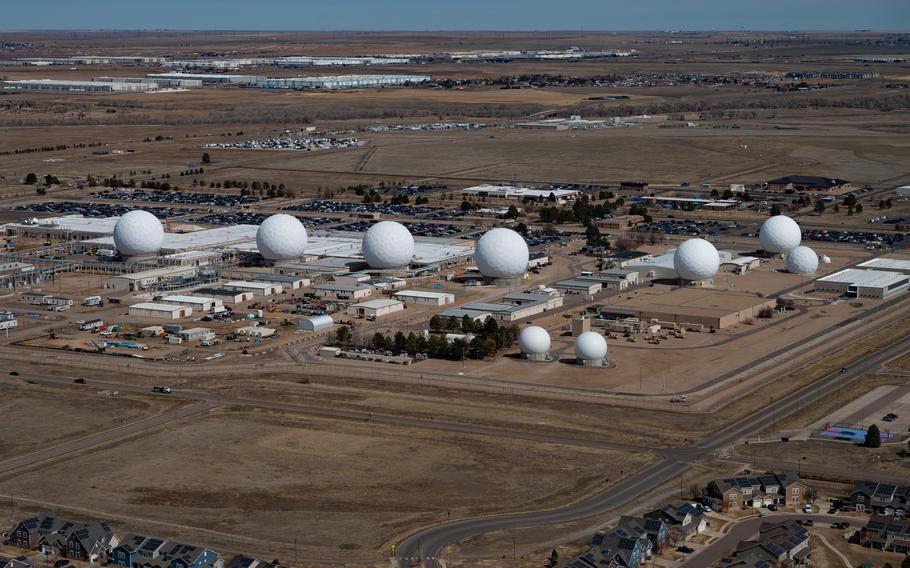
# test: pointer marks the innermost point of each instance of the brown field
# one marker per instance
(271, 478)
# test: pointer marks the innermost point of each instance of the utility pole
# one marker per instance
(513, 548)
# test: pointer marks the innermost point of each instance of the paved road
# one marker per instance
(746, 530)
(104, 437)
(426, 544)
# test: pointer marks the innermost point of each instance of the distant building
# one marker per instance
(886, 533)
(633, 186)
(737, 493)
(257, 288)
(620, 222)
(880, 498)
(338, 291)
(683, 521)
(903, 191)
(53, 535)
(807, 183)
(631, 543)
(159, 311)
(425, 298)
(856, 283)
(375, 308)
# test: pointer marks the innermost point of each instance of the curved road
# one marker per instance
(426, 544)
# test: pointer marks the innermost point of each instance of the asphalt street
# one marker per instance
(426, 544)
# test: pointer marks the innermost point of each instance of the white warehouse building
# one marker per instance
(257, 288)
(855, 283)
(198, 303)
(425, 298)
(375, 308)
(341, 81)
(159, 311)
(58, 85)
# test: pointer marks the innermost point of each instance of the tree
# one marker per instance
(436, 323)
(512, 213)
(521, 229)
(343, 335)
(906, 562)
(873, 437)
(31, 179)
(206, 158)
(554, 559)
(775, 210)
(859, 207)
(466, 206)
(820, 207)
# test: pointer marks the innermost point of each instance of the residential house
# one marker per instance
(777, 544)
(886, 533)
(53, 535)
(20, 562)
(881, 498)
(628, 545)
(189, 555)
(135, 548)
(683, 521)
(737, 493)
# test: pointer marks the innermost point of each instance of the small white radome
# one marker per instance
(590, 346)
(802, 260)
(534, 340)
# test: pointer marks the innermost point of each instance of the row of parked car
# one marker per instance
(858, 237)
(189, 198)
(98, 209)
(326, 206)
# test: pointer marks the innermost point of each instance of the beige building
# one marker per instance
(160, 311)
(375, 308)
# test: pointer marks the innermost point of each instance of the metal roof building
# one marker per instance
(427, 298)
(856, 283)
(316, 323)
(887, 264)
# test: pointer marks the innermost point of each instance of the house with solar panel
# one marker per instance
(737, 493)
(777, 544)
(20, 562)
(683, 521)
(882, 498)
(179, 555)
(634, 540)
(886, 533)
(53, 535)
(135, 548)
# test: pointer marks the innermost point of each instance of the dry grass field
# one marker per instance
(258, 481)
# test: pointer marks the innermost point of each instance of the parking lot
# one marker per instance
(687, 228)
(324, 206)
(202, 199)
(99, 209)
(306, 144)
(417, 229)
(245, 218)
(858, 237)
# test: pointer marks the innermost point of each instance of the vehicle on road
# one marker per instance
(808, 523)
(807, 509)
(80, 381)
(772, 507)
(162, 390)
(843, 369)
(14, 373)
(887, 418)
(685, 549)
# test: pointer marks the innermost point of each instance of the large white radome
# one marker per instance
(281, 237)
(501, 253)
(802, 260)
(590, 345)
(388, 245)
(534, 340)
(138, 233)
(779, 234)
(696, 259)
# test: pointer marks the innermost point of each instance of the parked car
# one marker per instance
(685, 549)
(14, 373)
(772, 507)
(807, 509)
(80, 381)
(162, 390)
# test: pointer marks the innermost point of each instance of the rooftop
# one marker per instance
(870, 278)
(377, 304)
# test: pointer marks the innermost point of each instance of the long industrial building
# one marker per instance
(341, 81)
(60, 85)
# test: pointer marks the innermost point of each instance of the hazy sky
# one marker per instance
(457, 14)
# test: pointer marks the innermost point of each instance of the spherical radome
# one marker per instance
(388, 244)
(826, 259)
(138, 233)
(281, 237)
(534, 339)
(779, 234)
(501, 253)
(696, 259)
(590, 345)
(802, 260)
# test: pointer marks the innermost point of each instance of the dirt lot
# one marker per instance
(46, 416)
(271, 478)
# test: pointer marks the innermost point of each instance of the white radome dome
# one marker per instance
(590, 345)
(802, 260)
(826, 259)
(281, 237)
(534, 340)
(696, 259)
(780, 234)
(501, 253)
(138, 233)
(388, 244)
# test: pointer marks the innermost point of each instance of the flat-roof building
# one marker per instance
(375, 308)
(147, 278)
(257, 288)
(339, 291)
(856, 283)
(289, 281)
(198, 303)
(341, 82)
(425, 298)
(159, 311)
(887, 264)
(519, 193)
(579, 286)
(225, 295)
(60, 85)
